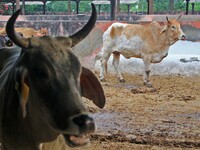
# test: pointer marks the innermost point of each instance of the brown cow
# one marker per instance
(149, 42)
(28, 32)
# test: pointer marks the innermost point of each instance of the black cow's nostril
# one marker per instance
(85, 123)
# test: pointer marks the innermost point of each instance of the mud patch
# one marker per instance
(168, 119)
(170, 131)
(192, 59)
(167, 115)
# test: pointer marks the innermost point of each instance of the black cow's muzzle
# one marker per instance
(85, 123)
(85, 126)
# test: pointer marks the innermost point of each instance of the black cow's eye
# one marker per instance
(40, 73)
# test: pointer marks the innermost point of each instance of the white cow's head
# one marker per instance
(173, 30)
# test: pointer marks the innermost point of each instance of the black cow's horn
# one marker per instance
(18, 40)
(81, 34)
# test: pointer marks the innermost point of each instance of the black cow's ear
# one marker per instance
(22, 87)
(91, 88)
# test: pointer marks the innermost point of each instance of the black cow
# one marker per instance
(41, 85)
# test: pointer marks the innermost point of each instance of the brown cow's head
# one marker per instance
(173, 30)
(41, 32)
(50, 82)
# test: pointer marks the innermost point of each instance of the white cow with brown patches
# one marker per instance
(149, 42)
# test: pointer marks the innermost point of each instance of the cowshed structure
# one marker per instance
(99, 3)
(114, 5)
(16, 2)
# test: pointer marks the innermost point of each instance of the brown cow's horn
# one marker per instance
(81, 34)
(178, 17)
(21, 42)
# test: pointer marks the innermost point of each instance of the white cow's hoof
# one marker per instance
(122, 80)
(103, 80)
(148, 84)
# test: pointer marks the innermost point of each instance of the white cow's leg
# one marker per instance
(116, 58)
(103, 68)
(147, 62)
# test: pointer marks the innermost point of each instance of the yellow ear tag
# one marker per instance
(24, 98)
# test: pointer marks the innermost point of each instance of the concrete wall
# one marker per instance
(65, 25)
(89, 47)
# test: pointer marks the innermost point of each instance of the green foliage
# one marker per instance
(5, 8)
(160, 6)
(142, 6)
(59, 6)
(62, 6)
(105, 8)
(84, 6)
(196, 7)
(56, 6)
(30, 9)
(179, 5)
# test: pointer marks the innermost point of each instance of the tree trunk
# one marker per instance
(23, 7)
(69, 7)
(17, 5)
(112, 9)
(151, 2)
(118, 6)
(171, 6)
